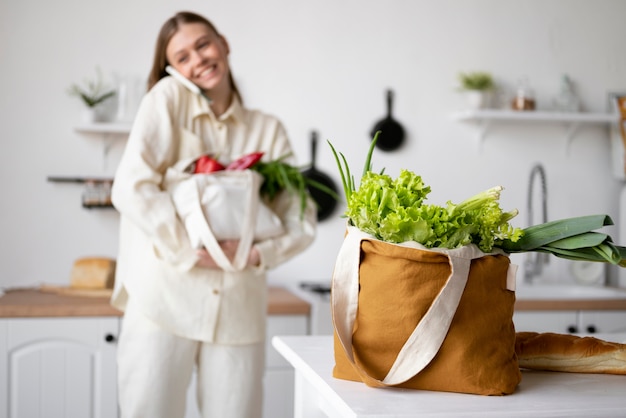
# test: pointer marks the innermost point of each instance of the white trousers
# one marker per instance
(155, 369)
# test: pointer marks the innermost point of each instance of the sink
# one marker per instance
(552, 291)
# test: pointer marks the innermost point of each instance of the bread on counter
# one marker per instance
(569, 353)
(93, 273)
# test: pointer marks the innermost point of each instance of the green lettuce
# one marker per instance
(395, 210)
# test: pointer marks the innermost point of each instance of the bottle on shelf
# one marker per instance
(524, 96)
(566, 100)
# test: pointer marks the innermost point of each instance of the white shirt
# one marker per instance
(155, 265)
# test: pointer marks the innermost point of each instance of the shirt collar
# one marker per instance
(235, 110)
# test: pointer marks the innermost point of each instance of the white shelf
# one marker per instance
(573, 120)
(535, 115)
(120, 128)
(108, 131)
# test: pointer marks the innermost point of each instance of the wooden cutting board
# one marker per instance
(69, 291)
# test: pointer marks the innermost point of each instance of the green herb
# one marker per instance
(476, 81)
(279, 176)
(92, 92)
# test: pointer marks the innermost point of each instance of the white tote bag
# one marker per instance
(224, 205)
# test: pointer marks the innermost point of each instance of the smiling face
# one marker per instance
(201, 55)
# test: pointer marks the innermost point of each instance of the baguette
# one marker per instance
(569, 353)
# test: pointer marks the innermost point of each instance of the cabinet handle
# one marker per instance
(591, 329)
(572, 329)
(110, 338)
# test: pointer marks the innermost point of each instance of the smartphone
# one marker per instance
(186, 82)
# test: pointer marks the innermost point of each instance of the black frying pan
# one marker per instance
(391, 132)
(325, 202)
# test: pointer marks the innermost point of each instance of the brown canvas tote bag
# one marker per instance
(437, 319)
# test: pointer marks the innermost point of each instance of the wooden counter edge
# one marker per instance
(280, 301)
(571, 305)
(29, 303)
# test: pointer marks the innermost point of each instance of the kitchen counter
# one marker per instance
(35, 303)
(540, 394)
(569, 297)
(570, 305)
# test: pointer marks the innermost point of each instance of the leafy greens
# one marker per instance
(395, 210)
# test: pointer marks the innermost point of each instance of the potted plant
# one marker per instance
(477, 87)
(93, 93)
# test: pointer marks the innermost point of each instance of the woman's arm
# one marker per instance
(137, 190)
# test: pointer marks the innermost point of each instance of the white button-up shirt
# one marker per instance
(155, 265)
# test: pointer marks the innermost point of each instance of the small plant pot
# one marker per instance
(89, 115)
(93, 115)
(478, 99)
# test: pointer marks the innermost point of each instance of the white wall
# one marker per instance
(320, 65)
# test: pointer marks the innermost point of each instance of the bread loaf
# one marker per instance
(569, 353)
(93, 273)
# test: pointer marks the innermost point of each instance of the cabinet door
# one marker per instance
(602, 321)
(546, 321)
(278, 398)
(279, 375)
(282, 325)
(60, 367)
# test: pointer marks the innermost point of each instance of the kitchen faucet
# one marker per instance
(535, 260)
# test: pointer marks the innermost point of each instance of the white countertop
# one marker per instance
(540, 394)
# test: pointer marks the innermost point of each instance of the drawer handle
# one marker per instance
(110, 338)
(572, 329)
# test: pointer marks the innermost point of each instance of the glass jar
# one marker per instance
(524, 97)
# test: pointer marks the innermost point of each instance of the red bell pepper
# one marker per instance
(207, 164)
(245, 162)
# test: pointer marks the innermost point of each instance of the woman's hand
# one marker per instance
(229, 247)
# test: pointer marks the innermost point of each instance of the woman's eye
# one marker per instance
(183, 59)
(203, 45)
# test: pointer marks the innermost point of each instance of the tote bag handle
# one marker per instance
(429, 334)
(247, 226)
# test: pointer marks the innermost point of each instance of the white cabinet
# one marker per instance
(603, 321)
(546, 321)
(66, 367)
(585, 322)
(279, 374)
(278, 391)
(58, 367)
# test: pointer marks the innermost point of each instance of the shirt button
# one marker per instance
(215, 291)
(220, 126)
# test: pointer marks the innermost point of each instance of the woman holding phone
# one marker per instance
(181, 311)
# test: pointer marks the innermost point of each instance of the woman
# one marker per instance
(181, 310)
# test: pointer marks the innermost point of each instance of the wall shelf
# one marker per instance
(573, 120)
(108, 131)
(96, 193)
(113, 128)
(79, 179)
